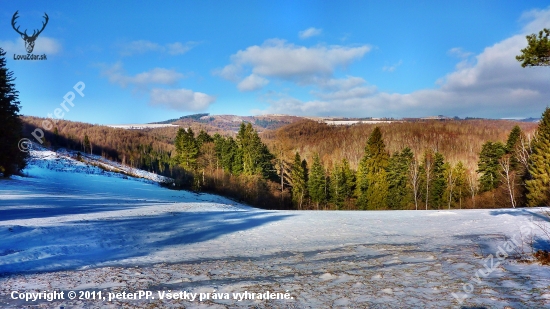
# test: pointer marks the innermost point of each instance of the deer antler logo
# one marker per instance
(29, 40)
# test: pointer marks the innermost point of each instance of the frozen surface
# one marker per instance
(71, 226)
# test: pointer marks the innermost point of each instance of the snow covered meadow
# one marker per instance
(70, 226)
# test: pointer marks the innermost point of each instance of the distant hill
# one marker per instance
(229, 124)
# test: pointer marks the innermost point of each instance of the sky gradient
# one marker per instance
(144, 61)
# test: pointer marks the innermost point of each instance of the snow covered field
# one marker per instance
(73, 227)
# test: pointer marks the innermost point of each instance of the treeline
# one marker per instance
(240, 167)
(456, 140)
(513, 173)
(148, 150)
(246, 168)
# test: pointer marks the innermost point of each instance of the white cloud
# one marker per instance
(278, 59)
(309, 32)
(252, 82)
(156, 76)
(459, 52)
(42, 45)
(181, 99)
(491, 84)
(144, 46)
(392, 68)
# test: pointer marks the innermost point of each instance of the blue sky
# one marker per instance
(145, 61)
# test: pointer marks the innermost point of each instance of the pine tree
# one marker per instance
(187, 149)
(203, 138)
(337, 186)
(86, 143)
(488, 165)
(317, 182)
(461, 184)
(400, 193)
(256, 158)
(439, 181)
(349, 180)
(538, 187)
(298, 182)
(12, 160)
(372, 184)
(512, 145)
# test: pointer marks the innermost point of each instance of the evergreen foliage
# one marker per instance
(400, 193)
(341, 184)
(87, 145)
(317, 182)
(512, 145)
(372, 184)
(439, 181)
(537, 52)
(256, 158)
(298, 181)
(538, 187)
(187, 149)
(12, 160)
(488, 165)
(203, 138)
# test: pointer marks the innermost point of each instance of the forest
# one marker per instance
(430, 164)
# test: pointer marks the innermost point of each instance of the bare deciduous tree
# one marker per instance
(473, 185)
(414, 177)
(508, 177)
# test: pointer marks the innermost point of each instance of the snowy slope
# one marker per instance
(65, 160)
(72, 227)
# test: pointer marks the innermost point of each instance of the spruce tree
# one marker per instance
(203, 138)
(298, 182)
(12, 160)
(349, 180)
(538, 187)
(488, 165)
(187, 149)
(337, 186)
(400, 194)
(439, 181)
(317, 182)
(372, 184)
(86, 143)
(512, 145)
(256, 158)
(461, 184)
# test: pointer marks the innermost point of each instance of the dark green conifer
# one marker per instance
(12, 159)
(538, 187)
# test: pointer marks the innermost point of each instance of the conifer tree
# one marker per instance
(488, 165)
(512, 145)
(337, 186)
(349, 179)
(538, 187)
(187, 149)
(256, 158)
(372, 184)
(400, 193)
(203, 138)
(86, 143)
(298, 182)
(461, 184)
(12, 160)
(317, 182)
(439, 181)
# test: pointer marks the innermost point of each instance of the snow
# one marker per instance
(73, 226)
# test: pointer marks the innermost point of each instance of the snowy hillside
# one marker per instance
(73, 227)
